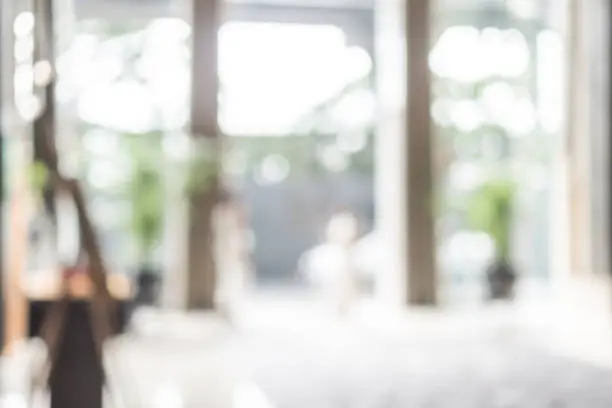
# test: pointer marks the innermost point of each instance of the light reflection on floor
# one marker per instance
(250, 396)
(167, 396)
(287, 352)
(14, 400)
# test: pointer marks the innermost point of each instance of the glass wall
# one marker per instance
(299, 126)
(126, 85)
(298, 123)
(498, 104)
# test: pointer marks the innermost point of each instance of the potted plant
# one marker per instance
(196, 172)
(492, 211)
(146, 195)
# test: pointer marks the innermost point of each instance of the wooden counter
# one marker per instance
(43, 290)
(37, 290)
(48, 285)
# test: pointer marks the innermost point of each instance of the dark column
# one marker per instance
(421, 242)
(201, 268)
(44, 125)
(404, 173)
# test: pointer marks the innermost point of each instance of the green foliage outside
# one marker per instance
(38, 176)
(492, 211)
(146, 193)
(201, 167)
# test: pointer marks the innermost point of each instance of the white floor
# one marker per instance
(288, 352)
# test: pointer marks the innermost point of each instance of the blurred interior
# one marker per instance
(343, 135)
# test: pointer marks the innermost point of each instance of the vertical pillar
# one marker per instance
(578, 142)
(2, 175)
(14, 301)
(421, 241)
(602, 81)
(201, 270)
(597, 18)
(405, 177)
(44, 124)
(174, 295)
(390, 181)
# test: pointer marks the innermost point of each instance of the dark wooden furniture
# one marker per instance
(77, 377)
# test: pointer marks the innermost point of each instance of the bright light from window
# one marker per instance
(466, 54)
(101, 142)
(273, 169)
(457, 54)
(551, 63)
(467, 115)
(526, 9)
(355, 110)
(272, 74)
(23, 24)
(24, 47)
(441, 111)
(352, 142)
(522, 118)
(124, 106)
(334, 159)
(497, 99)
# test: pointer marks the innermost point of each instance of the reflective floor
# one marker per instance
(292, 353)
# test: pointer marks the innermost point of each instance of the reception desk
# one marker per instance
(41, 290)
(30, 295)
(77, 377)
